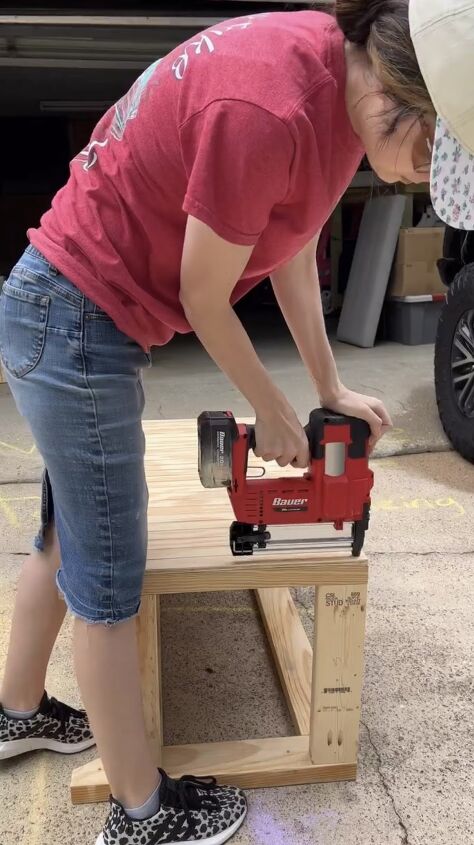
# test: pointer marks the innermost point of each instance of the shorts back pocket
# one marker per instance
(23, 320)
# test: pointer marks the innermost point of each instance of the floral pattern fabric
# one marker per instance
(452, 180)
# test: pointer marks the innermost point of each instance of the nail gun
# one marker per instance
(335, 488)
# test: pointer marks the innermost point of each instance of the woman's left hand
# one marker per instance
(367, 408)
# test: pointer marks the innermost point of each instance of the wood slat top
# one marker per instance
(189, 526)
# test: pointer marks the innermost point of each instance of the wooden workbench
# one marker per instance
(189, 552)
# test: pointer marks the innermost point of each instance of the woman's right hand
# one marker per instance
(280, 436)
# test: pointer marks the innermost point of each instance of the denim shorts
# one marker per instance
(77, 380)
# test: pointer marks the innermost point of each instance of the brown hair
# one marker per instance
(383, 28)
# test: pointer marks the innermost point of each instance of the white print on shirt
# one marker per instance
(127, 107)
(90, 153)
(180, 66)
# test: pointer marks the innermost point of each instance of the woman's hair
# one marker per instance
(383, 28)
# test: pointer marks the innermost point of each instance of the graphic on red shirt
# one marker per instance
(245, 127)
(126, 109)
(207, 41)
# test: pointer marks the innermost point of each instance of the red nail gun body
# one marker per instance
(335, 489)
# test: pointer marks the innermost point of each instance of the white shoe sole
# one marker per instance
(218, 839)
(22, 746)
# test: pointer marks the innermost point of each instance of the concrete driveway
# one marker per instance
(415, 781)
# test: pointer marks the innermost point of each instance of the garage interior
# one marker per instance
(60, 69)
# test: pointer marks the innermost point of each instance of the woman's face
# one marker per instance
(404, 155)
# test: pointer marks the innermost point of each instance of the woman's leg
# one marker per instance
(77, 380)
(106, 658)
(37, 618)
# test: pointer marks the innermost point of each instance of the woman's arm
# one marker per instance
(297, 290)
(210, 269)
(296, 287)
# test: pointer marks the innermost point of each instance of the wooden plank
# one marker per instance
(248, 764)
(188, 526)
(216, 575)
(338, 665)
(149, 647)
(291, 650)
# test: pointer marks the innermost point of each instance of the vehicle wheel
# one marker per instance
(454, 364)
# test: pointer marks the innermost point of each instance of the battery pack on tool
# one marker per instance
(334, 490)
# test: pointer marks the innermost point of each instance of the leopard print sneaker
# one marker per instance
(55, 727)
(191, 810)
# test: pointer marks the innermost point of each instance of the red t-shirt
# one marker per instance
(245, 127)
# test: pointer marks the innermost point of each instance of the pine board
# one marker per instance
(247, 763)
(338, 666)
(291, 651)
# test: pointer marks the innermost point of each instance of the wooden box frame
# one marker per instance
(322, 684)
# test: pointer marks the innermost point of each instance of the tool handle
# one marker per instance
(315, 431)
(251, 439)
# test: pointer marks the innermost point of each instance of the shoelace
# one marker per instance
(63, 712)
(185, 795)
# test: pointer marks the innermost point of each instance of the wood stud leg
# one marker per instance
(338, 664)
(291, 651)
(149, 648)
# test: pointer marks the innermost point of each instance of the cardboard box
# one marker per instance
(415, 272)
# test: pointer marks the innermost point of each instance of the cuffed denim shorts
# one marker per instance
(77, 380)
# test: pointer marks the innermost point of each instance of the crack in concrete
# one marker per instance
(299, 602)
(413, 450)
(404, 836)
(308, 610)
(20, 481)
(407, 553)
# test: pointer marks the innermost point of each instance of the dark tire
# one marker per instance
(454, 364)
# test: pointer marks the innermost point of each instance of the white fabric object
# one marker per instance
(442, 32)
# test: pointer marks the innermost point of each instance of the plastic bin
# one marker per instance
(413, 320)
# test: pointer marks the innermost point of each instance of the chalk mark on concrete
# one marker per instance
(9, 512)
(424, 503)
(19, 449)
(35, 830)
